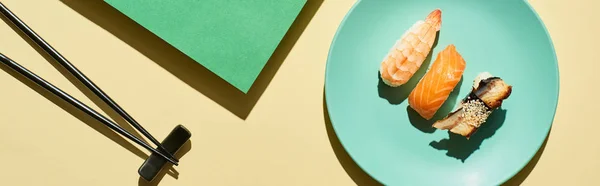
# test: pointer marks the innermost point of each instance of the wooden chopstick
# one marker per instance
(78, 74)
(81, 106)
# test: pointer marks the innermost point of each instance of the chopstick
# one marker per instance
(81, 106)
(79, 75)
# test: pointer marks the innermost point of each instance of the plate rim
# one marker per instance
(540, 142)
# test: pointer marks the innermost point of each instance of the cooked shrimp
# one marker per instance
(409, 52)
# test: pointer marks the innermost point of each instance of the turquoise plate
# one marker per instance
(391, 142)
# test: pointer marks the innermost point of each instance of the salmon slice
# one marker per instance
(436, 85)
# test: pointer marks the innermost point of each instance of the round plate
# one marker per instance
(391, 142)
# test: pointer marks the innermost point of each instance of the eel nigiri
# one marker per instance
(487, 94)
(437, 84)
(409, 52)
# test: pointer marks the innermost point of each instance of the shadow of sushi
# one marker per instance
(460, 148)
(426, 125)
(397, 95)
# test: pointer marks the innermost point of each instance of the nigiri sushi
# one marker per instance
(436, 85)
(487, 94)
(409, 52)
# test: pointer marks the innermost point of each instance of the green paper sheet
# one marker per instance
(232, 38)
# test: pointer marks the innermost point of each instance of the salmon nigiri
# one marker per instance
(437, 84)
(409, 52)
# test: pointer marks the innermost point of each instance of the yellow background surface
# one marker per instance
(275, 135)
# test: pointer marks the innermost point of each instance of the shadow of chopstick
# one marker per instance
(168, 170)
(82, 116)
(101, 104)
(96, 125)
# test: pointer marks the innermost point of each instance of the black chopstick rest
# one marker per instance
(172, 143)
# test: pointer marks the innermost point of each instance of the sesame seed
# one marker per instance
(474, 113)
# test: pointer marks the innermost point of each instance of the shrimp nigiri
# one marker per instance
(409, 52)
